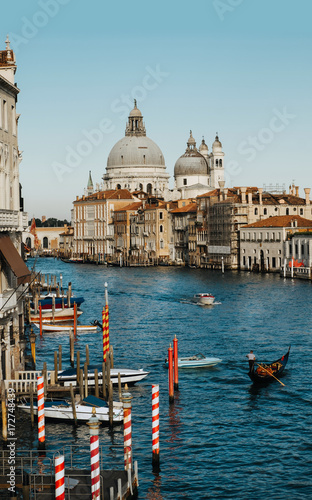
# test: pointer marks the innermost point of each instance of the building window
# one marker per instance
(160, 215)
(118, 186)
(244, 260)
(256, 211)
(302, 249)
(144, 159)
(220, 163)
(287, 211)
(290, 249)
(45, 242)
(217, 163)
(265, 211)
(149, 188)
(301, 211)
(296, 249)
(184, 182)
(161, 243)
(161, 228)
(5, 114)
(273, 262)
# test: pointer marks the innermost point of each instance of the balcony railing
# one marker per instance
(8, 301)
(13, 220)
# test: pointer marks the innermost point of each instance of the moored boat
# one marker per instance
(262, 373)
(51, 327)
(197, 361)
(46, 302)
(206, 299)
(59, 315)
(62, 409)
(127, 376)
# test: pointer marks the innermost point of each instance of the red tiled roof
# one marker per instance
(131, 206)
(281, 221)
(112, 194)
(192, 207)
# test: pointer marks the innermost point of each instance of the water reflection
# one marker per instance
(154, 492)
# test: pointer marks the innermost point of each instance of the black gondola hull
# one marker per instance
(262, 377)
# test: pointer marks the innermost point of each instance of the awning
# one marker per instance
(14, 260)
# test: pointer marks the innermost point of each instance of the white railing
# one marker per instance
(13, 219)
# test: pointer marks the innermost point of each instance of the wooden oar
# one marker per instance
(271, 374)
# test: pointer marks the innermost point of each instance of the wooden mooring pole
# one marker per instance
(175, 358)
(170, 374)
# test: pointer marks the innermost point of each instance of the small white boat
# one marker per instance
(59, 315)
(62, 409)
(206, 299)
(51, 327)
(127, 376)
(197, 361)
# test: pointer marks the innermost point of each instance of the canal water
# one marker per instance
(222, 438)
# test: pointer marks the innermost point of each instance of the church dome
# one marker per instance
(135, 111)
(203, 147)
(217, 145)
(192, 162)
(135, 151)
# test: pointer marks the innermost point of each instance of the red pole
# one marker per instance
(155, 427)
(175, 356)
(170, 374)
(75, 319)
(40, 319)
(40, 410)
(59, 477)
(104, 332)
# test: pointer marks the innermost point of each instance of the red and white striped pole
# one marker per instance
(40, 320)
(104, 332)
(175, 359)
(94, 425)
(155, 426)
(40, 408)
(170, 374)
(59, 468)
(126, 400)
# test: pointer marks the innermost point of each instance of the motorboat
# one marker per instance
(51, 327)
(62, 409)
(59, 315)
(197, 361)
(127, 376)
(206, 299)
(59, 302)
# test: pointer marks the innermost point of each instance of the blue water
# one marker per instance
(222, 438)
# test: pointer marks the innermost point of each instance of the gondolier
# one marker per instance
(251, 358)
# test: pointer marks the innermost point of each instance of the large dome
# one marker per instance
(190, 164)
(135, 151)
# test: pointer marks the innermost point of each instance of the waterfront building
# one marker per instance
(266, 245)
(181, 217)
(122, 232)
(198, 170)
(93, 222)
(136, 163)
(222, 212)
(14, 274)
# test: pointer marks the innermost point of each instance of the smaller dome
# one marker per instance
(217, 145)
(135, 111)
(203, 146)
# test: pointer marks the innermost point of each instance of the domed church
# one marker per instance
(136, 163)
(198, 171)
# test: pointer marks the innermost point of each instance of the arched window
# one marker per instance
(161, 228)
(149, 188)
(256, 211)
(220, 163)
(28, 242)
(217, 162)
(118, 186)
(45, 242)
(265, 211)
(141, 187)
(287, 211)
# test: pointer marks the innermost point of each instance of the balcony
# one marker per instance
(13, 220)
(8, 302)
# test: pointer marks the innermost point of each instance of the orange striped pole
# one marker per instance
(104, 332)
(40, 319)
(59, 468)
(126, 400)
(155, 427)
(170, 374)
(40, 409)
(175, 359)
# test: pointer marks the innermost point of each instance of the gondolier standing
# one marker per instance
(251, 358)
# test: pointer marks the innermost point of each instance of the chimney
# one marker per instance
(297, 190)
(250, 198)
(260, 191)
(225, 192)
(307, 195)
(243, 191)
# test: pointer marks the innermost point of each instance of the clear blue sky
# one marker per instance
(239, 67)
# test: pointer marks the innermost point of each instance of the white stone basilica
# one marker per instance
(136, 163)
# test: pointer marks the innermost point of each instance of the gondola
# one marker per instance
(262, 374)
